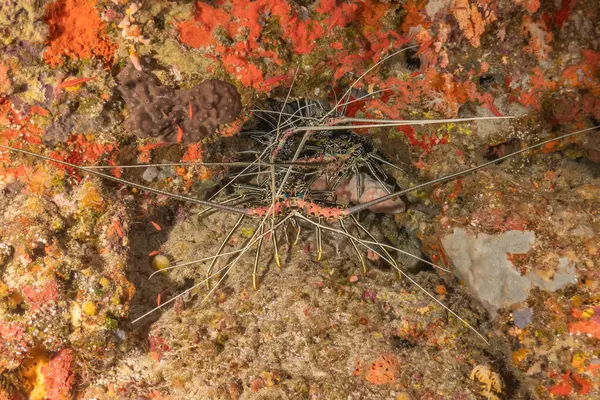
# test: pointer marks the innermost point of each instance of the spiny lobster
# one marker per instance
(300, 175)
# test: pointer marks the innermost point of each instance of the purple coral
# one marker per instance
(157, 111)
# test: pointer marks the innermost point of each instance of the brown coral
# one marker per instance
(76, 31)
(176, 116)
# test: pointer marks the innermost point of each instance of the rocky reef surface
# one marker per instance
(80, 82)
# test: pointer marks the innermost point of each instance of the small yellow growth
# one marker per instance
(40, 179)
(519, 356)
(57, 224)
(490, 379)
(216, 319)
(205, 173)
(91, 199)
(34, 204)
(32, 372)
(115, 300)
(424, 310)
(89, 308)
(3, 290)
(160, 262)
(247, 232)
(587, 313)
(11, 299)
(578, 362)
(271, 378)
(104, 282)
(73, 89)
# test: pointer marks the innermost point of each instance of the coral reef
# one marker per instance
(176, 116)
(58, 254)
(109, 83)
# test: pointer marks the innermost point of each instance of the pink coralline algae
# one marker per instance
(58, 375)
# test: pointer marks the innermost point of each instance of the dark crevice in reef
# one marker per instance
(146, 239)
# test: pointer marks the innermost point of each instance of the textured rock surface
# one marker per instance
(156, 110)
(482, 262)
(310, 331)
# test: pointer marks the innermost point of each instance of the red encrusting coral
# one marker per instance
(442, 93)
(12, 341)
(84, 150)
(81, 150)
(18, 129)
(59, 377)
(538, 86)
(564, 386)
(574, 107)
(17, 124)
(471, 20)
(538, 36)
(198, 32)
(158, 346)
(193, 153)
(530, 5)
(39, 296)
(563, 13)
(383, 370)
(589, 327)
(250, 56)
(76, 32)
(245, 59)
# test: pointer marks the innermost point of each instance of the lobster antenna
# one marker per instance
(205, 164)
(221, 207)
(418, 121)
(363, 206)
(174, 164)
(382, 123)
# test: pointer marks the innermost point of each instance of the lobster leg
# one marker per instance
(256, 258)
(223, 243)
(276, 249)
(319, 237)
(353, 242)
